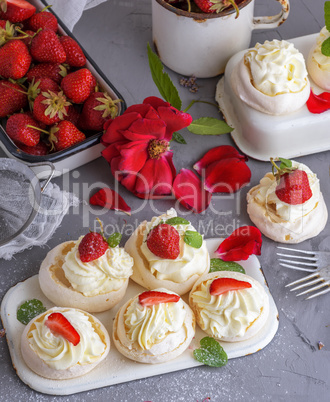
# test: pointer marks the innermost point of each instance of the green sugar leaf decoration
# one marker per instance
(29, 309)
(177, 220)
(327, 14)
(193, 239)
(114, 239)
(325, 47)
(217, 264)
(209, 126)
(177, 137)
(211, 353)
(285, 163)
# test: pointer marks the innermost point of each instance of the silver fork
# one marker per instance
(304, 260)
(320, 278)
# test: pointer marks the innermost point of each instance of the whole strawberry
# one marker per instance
(74, 55)
(164, 241)
(92, 247)
(15, 60)
(41, 20)
(73, 115)
(50, 107)
(27, 40)
(216, 6)
(40, 149)
(46, 47)
(19, 131)
(12, 98)
(98, 108)
(65, 134)
(16, 10)
(7, 31)
(55, 71)
(293, 185)
(77, 85)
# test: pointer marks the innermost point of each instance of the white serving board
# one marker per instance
(116, 368)
(260, 135)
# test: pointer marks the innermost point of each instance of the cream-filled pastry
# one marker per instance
(94, 286)
(285, 220)
(272, 78)
(64, 343)
(318, 64)
(154, 327)
(229, 306)
(164, 256)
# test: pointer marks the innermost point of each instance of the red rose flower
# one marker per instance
(138, 149)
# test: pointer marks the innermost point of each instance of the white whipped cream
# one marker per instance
(148, 326)
(318, 64)
(60, 354)
(191, 260)
(105, 274)
(229, 314)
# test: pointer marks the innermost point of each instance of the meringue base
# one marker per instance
(36, 364)
(58, 289)
(254, 327)
(141, 271)
(320, 76)
(302, 229)
(169, 348)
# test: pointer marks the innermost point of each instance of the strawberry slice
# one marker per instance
(152, 297)
(60, 326)
(223, 285)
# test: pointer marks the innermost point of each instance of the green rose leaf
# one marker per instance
(177, 137)
(177, 221)
(211, 353)
(114, 239)
(193, 239)
(327, 15)
(29, 309)
(163, 81)
(325, 48)
(209, 126)
(217, 264)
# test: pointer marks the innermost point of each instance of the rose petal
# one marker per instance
(175, 120)
(145, 129)
(155, 102)
(215, 154)
(243, 242)
(120, 123)
(111, 151)
(227, 175)
(108, 198)
(134, 156)
(187, 188)
(318, 103)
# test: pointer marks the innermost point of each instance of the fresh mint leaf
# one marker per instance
(177, 221)
(177, 137)
(29, 309)
(209, 126)
(325, 47)
(217, 264)
(285, 163)
(114, 239)
(211, 353)
(327, 15)
(163, 81)
(193, 239)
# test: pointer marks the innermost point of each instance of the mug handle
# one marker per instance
(275, 20)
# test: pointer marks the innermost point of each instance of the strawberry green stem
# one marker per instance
(46, 8)
(39, 129)
(189, 6)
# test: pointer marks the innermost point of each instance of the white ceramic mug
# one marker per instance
(200, 44)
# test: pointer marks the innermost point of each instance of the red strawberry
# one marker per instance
(61, 326)
(15, 60)
(151, 297)
(41, 20)
(55, 71)
(28, 39)
(50, 107)
(64, 135)
(46, 47)
(3, 24)
(74, 55)
(77, 85)
(7, 32)
(73, 115)
(98, 108)
(164, 241)
(16, 10)
(18, 130)
(92, 247)
(294, 188)
(223, 285)
(12, 98)
(40, 149)
(216, 6)
(40, 85)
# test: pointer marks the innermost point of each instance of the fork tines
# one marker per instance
(299, 262)
(320, 279)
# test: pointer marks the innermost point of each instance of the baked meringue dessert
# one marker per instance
(154, 327)
(162, 255)
(229, 306)
(285, 219)
(318, 64)
(272, 78)
(93, 286)
(63, 343)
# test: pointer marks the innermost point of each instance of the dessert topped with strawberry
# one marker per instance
(287, 205)
(64, 343)
(169, 252)
(153, 327)
(229, 306)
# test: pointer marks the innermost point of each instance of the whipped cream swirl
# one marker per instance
(105, 274)
(60, 354)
